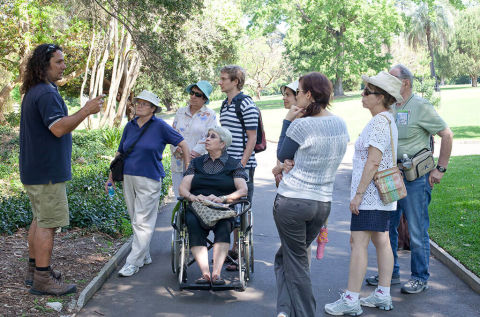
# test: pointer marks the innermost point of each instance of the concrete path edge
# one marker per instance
(455, 266)
(103, 275)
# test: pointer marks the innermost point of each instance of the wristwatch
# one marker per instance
(441, 169)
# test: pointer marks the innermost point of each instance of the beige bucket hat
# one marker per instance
(387, 82)
(151, 97)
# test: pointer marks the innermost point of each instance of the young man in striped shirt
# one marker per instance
(232, 79)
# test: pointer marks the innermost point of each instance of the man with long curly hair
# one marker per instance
(45, 162)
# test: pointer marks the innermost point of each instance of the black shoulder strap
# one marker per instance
(130, 149)
(239, 114)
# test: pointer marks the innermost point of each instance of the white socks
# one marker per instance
(351, 296)
(382, 291)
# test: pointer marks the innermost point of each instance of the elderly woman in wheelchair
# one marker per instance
(218, 178)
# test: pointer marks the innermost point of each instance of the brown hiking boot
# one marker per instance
(44, 283)
(31, 271)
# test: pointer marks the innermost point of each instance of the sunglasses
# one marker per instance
(197, 94)
(51, 48)
(367, 92)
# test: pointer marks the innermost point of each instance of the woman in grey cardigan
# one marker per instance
(317, 143)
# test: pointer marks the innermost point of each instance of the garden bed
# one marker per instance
(78, 254)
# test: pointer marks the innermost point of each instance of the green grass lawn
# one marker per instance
(459, 107)
(455, 211)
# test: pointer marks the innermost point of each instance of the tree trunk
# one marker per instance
(432, 63)
(119, 73)
(258, 92)
(474, 80)
(4, 95)
(87, 66)
(130, 79)
(338, 86)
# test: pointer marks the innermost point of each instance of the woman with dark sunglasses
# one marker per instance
(370, 216)
(192, 122)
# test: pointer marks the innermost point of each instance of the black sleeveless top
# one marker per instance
(218, 184)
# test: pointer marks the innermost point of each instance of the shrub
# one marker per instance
(13, 118)
(89, 205)
(112, 137)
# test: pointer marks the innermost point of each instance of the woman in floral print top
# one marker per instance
(192, 122)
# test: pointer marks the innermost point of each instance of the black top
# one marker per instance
(218, 183)
(44, 158)
(286, 147)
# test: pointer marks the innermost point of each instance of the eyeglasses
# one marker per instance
(367, 92)
(144, 104)
(197, 94)
(211, 136)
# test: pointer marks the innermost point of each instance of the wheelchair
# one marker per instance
(181, 257)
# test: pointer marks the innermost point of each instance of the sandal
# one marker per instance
(232, 267)
(217, 280)
(204, 279)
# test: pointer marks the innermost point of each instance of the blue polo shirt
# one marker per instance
(146, 157)
(44, 158)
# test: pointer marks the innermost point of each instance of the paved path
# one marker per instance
(154, 291)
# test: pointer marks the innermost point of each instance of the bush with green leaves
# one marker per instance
(112, 137)
(90, 207)
(425, 87)
(13, 118)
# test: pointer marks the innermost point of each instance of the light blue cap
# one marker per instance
(204, 86)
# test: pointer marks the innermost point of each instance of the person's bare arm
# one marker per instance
(251, 140)
(185, 152)
(69, 123)
(445, 152)
(371, 167)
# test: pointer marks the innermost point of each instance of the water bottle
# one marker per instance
(406, 162)
(111, 190)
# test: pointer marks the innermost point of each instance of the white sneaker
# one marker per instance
(373, 300)
(128, 270)
(147, 260)
(344, 306)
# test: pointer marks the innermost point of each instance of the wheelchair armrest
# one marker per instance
(241, 206)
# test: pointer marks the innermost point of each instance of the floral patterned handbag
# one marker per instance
(389, 182)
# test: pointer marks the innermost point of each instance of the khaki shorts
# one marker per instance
(49, 204)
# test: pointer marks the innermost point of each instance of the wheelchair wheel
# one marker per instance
(175, 250)
(250, 248)
(182, 266)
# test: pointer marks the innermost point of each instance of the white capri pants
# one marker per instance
(142, 195)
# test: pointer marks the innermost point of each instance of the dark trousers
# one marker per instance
(298, 223)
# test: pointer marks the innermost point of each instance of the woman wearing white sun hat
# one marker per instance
(370, 216)
(143, 174)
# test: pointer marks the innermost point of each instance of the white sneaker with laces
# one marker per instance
(147, 260)
(374, 300)
(128, 270)
(344, 306)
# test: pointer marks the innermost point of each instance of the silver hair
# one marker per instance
(405, 73)
(224, 134)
